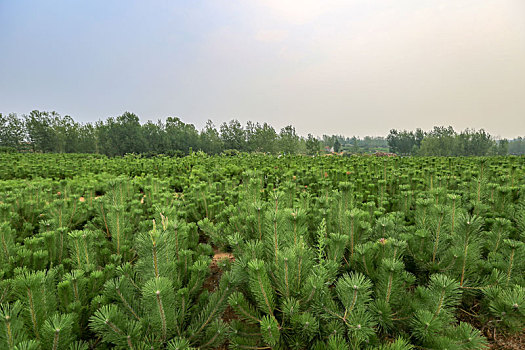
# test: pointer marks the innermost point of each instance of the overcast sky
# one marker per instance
(351, 67)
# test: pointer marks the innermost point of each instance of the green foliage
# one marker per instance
(258, 251)
(42, 131)
(57, 332)
(441, 141)
(12, 326)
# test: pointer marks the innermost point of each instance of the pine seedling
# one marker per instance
(283, 321)
(441, 236)
(159, 298)
(361, 328)
(520, 218)
(7, 212)
(57, 332)
(384, 228)
(321, 242)
(205, 201)
(513, 253)
(261, 286)
(243, 335)
(270, 330)
(213, 232)
(214, 335)
(115, 328)
(507, 305)
(155, 250)
(299, 224)
(82, 250)
(354, 291)
(119, 191)
(466, 249)
(293, 267)
(40, 259)
(335, 249)
(467, 337)
(79, 345)
(335, 342)
(7, 245)
(391, 282)
(37, 292)
(244, 309)
(356, 225)
(72, 292)
(122, 292)
(197, 275)
(418, 247)
(181, 235)
(366, 258)
(398, 344)
(444, 292)
(12, 330)
(65, 212)
(423, 215)
(118, 223)
(305, 327)
(277, 233)
(179, 344)
(56, 244)
(203, 328)
(336, 210)
(28, 345)
(426, 326)
(434, 307)
(493, 239)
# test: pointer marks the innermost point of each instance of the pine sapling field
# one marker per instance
(260, 252)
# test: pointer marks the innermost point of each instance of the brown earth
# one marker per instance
(498, 340)
(212, 282)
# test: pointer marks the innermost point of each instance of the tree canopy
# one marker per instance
(445, 141)
(42, 131)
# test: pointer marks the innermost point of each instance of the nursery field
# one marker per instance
(260, 252)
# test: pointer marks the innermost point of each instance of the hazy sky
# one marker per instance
(352, 67)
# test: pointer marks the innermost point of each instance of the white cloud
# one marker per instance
(366, 67)
(302, 11)
(334, 66)
(270, 36)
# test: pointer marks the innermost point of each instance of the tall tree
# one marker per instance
(210, 139)
(441, 141)
(288, 140)
(155, 137)
(12, 131)
(233, 135)
(502, 147)
(182, 137)
(261, 138)
(87, 138)
(128, 133)
(40, 132)
(121, 135)
(337, 145)
(402, 142)
(313, 145)
(517, 146)
(66, 133)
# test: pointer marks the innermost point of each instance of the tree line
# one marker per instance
(445, 141)
(41, 131)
